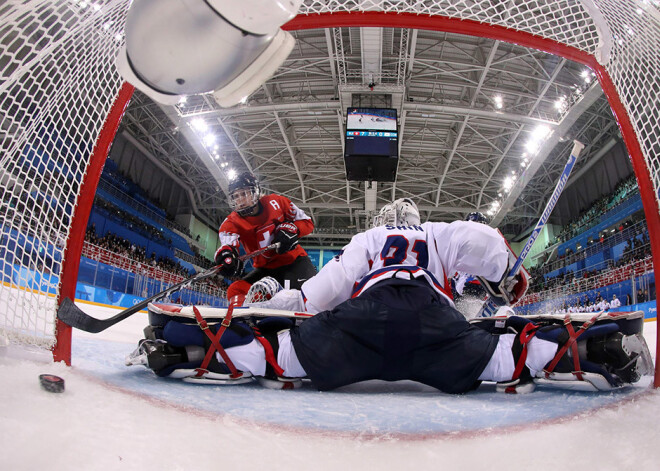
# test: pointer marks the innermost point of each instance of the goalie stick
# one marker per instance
(490, 307)
(186, 314)
(72, 315)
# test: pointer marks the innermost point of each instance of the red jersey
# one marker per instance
(256, 232)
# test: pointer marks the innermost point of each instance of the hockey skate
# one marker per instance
(597, 352)
(182, 363)
(139, 355)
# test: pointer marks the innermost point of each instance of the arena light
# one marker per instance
(199, 124)
(498, 101)
(494, 207)
(541, 132)
(209, 140)
(508, 183)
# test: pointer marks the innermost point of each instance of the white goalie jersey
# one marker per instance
(434, 251)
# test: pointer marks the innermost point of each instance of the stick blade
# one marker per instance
(72, 315)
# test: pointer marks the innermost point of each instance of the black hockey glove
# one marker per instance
(287, 235)
(227, 259)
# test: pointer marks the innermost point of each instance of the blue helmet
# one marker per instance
(477, 217)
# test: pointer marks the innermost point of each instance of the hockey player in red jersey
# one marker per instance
(256, 222)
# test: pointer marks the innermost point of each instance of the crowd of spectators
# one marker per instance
(597, 304)
(200, 260)
(590, 217)
(127, 249)
(633, 231)
(133, 223)
(637, 248)
(125, 184)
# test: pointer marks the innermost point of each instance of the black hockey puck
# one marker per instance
(52, 383)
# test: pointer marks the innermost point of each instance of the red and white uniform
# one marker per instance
(256, 232)
(430, 250)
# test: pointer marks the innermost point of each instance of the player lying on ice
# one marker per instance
(384, 311)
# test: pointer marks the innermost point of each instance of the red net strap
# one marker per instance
(215, 343)
(572, 344)
(270, 354)
(528, 332)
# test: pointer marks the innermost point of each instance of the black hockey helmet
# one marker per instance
(244, 193)
(476, 216)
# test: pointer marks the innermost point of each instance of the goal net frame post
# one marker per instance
(73, 249)
(474, 28)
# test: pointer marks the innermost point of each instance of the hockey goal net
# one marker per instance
(61, 101)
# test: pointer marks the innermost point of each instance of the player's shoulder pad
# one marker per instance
(229, 222)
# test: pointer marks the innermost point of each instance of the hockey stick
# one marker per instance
(72, 315)
(490, 307)
(186, 314)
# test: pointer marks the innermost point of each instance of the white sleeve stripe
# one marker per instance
(228, 238)
(299, 214)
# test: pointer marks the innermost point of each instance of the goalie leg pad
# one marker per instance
(180, 334)
(595, 352)
(607, 351)
(182, 348)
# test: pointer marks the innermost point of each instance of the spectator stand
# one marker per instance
(611, 256)
(104, 268)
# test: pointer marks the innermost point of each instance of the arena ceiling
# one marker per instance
(468, 110)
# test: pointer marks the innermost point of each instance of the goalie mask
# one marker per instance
(177, 48)
(244, 194)
(401, 212)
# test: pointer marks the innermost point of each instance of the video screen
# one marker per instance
(371, 150)
(372, 119)
(382, 143)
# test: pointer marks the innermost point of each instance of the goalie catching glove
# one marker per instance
(509, 289)
(287, 236)
(227, 259)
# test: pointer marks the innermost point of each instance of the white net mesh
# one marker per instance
(635, 70)
(565, 21)
(58, 82)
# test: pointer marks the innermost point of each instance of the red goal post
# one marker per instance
(60, 90)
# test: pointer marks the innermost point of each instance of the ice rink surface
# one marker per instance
(117, 417)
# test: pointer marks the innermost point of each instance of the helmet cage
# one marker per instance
(244, 194)
(401, 212)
